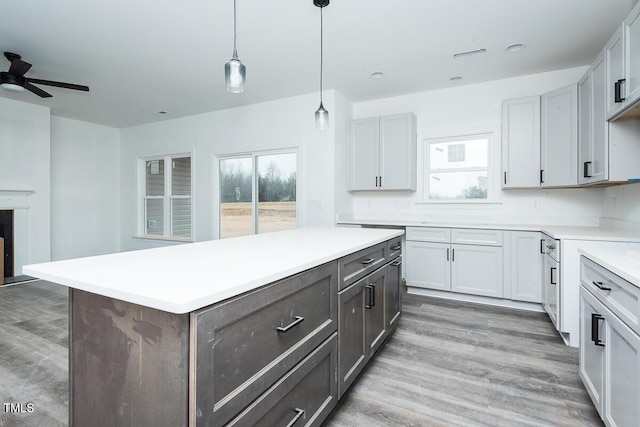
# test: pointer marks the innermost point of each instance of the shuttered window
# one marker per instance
(167, 197)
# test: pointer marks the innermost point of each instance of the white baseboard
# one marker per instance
(498, 302)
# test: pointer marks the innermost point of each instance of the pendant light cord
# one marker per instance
(321, 50)
(235, 52)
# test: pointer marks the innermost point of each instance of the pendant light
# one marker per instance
(322, 115)
(234, 70)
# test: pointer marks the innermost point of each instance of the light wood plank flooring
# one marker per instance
(448, 364)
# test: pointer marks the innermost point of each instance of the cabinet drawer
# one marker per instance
(359, 264)
(246, 344)
(620, 296)
(475, 236)
(304, 396)
(394, 248)
(429, 234)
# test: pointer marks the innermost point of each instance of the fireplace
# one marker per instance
(6, 234)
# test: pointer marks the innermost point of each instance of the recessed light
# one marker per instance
(162, 112)
(469, 53)
(515, 47)
(376, 75)
(455, 78)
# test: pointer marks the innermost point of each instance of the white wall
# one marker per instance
(468, 109)
(24, 165)
(623, 202)
(278, 124)
(85, 189)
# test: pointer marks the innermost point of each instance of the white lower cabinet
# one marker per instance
(609, 350)
(466, 268)
(476, 270)
(523, 258)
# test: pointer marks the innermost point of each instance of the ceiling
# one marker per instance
(145, 56)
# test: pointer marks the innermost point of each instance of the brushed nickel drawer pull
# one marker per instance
(395, 248)
(397, 263)
(299, 413)
(599, 286)
(298, 320)
(367, 261)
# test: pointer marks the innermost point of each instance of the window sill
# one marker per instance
(165, 238)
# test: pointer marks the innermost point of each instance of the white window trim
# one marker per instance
(141, 197)
(253, 154)
(492, 164)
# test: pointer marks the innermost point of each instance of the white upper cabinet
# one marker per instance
(614, 63)
(559, 137)
(383, 153)
(584, 125)
(632, 55)
(521, 142)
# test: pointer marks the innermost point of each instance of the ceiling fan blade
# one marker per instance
(19, 67)
(37, 90)
(58, 84)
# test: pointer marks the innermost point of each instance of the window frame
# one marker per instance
(254, 184)
(492, 190)
(167, 198)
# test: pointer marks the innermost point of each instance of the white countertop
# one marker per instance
(183, 278)
(621, 262)
(556, 231)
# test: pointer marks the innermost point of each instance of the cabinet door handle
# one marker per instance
(553, 282)
(296, 321)
(395, 264)
(600, 286)
(505, 178)
(453, 255)
(395, 248)
(380, 182)
(618, 90)
(542, 246)
(367, 261)
(447, 254)
(541, 176)
(586, 173)
(299, 413)
(595, 330)
(371, 297)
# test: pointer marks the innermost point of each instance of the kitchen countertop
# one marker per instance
(623, 263)
(183, 278)
(570, 232)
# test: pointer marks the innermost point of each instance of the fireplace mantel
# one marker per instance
(14, 199)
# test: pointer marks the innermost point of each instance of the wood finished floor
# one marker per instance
(448, 364)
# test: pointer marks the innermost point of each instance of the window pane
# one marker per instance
(155, 178)
(458, 185)
(181, 217)
(235, 197)
(181, 178)
(276, 192)
(472, 153)
(154, 218)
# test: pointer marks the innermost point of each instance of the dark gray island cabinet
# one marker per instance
(278, 354)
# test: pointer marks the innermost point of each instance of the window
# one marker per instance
(258, 193)
(166, 197)
(458, 169)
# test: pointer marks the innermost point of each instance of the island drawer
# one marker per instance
(244, 345)
(357, 265)
(620, 296)
(394, 248)
(304, 396)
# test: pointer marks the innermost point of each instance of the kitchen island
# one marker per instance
(244, 331)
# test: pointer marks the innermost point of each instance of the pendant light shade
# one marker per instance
(322, 115)
(322, 118)
(234, 70)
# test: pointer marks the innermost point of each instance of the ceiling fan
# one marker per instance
(15, 80)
